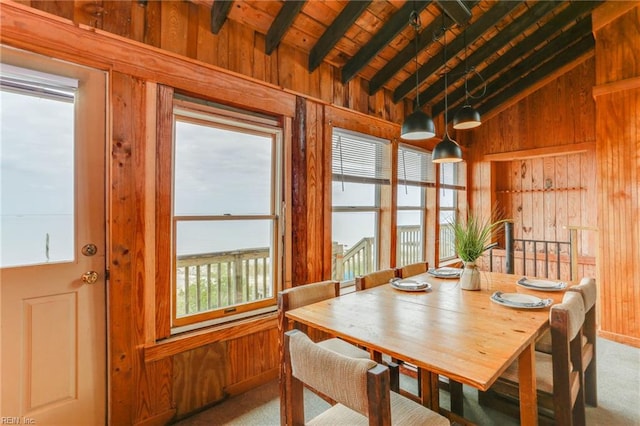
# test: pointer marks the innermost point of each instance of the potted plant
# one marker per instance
(471, 239)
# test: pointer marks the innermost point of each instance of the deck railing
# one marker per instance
(216, 280)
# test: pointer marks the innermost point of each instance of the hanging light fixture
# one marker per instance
(467, 117)
(447, 150)
(418, 125)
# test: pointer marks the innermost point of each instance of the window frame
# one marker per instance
(201, 112)
(458, 176)
(384, 162)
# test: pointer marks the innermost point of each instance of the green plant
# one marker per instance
(473, 236)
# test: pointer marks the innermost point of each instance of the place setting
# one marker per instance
(409, 284)
(520, 300)
(445, 272)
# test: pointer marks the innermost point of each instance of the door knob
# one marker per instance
(90, 277)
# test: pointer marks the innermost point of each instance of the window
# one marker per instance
(37, 214)
(449, 192)
(360, 167)
(226, 203)
(415, 174)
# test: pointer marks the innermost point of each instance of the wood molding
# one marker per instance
(28, 28)
(359, 122)
(252, 383)
(617, 86)
(610, 11)
(540, 152)
(627, 340)
(159, 419)
(188, 341)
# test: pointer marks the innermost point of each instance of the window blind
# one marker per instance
(35, 83)
(450, 176)
(415, 167)
(359, 158)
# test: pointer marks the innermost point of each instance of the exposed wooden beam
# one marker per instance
(389, 31)
(474, 31)
(514, 84)
(456, 10)
(425, 38)
(336, 31)
(281, 23)
(505, 36)
(219, 12)
(525, 48)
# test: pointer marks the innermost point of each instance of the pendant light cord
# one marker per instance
(446, 72)
(414, 20)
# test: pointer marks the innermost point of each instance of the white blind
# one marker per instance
(356, 157)
(450, 176)
(415, 167)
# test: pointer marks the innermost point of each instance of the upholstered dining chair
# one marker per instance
(559, 375)
(311, 293)
(360, 387)
(413, 269)
(375, 279)
(587, 288)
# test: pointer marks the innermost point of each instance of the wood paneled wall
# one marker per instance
(617, 97)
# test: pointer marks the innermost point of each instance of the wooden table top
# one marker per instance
(457, 333)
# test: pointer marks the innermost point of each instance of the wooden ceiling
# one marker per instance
(500, 48)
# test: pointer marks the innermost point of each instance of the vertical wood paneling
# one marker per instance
(174, 26)
(618, 163)
(117, 17)
(299, 208)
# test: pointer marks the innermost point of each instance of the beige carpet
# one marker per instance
(618, 397)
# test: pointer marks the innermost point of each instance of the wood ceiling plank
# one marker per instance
(515, 28)
(425, 38)
(525, 48)
(515, 84)
(282, 23)
(388, 32)
(335, 32)
(219, 13)
(474, 32)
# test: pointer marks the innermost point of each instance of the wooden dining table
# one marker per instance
(459, 334)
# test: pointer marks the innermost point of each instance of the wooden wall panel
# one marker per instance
(199, 377)
(617, 97)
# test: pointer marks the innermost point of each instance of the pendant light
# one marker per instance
(417, 125)
(447, 150)
(467, 117)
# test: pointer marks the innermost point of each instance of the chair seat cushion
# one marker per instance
(403, 412)
(544, 372)
(344, 348)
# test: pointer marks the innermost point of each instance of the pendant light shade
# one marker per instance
(447, 151)
(418, 125)
(467, 117)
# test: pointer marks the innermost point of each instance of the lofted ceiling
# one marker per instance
(498, 48)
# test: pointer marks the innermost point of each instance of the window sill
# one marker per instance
(195, 339)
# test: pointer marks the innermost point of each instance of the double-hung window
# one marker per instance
(226, 201)
(361, 172)
(415, 175)
(451, 187)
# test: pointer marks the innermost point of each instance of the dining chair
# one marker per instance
(587, 288)
(307, 294)
(559, 376)
(374, 279)
(413, 269)
(361, 388)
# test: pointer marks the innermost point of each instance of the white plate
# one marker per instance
(544, 285)
(519, 300)
(445, 272)
(409, 284)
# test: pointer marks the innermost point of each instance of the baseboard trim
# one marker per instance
(244, 386)
(620, 338)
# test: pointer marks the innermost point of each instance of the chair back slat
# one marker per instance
(375, 279)
(413, 269)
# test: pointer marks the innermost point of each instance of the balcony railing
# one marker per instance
(217, 280)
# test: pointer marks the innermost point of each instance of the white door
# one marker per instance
(52, 252)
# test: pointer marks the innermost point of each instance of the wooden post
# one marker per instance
(508, 242)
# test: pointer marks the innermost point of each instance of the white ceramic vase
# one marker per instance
(470, 277)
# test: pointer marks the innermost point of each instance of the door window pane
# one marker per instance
(37, 217)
